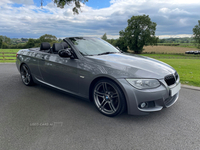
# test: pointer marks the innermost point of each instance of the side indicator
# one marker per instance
(82, 77)
(16, 55)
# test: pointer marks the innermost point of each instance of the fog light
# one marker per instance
(142, 105)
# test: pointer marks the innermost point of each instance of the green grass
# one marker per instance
(187, 67)
(173, 56)
(9, 50)
(188, 70)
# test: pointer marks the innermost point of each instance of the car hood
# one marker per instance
(134, 65)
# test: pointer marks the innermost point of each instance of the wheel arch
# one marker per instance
(21, 65)
(26, 65)
(103, 77)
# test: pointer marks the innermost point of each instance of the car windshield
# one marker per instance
(93, 46)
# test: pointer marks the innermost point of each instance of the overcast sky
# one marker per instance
(25, 18)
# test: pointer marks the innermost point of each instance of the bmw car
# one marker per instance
(93, 69)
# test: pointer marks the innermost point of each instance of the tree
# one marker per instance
(196, 33)
(5, 39)
(1, 41)
(104, 37)
(139, 33)
(30, 43)
(4, 45)
(24, 39)
(121, 44)
(62, 3)
(48, 38)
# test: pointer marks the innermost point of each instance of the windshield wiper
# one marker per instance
(107, 53)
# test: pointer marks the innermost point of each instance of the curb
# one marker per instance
(190, 87)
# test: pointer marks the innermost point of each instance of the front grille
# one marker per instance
(170, 80)
(176, 76)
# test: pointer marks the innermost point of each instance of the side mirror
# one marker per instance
(65, 53)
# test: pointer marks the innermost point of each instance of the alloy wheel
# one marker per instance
(26, 76)
(106, 98)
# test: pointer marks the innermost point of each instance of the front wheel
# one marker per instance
(108, 98)
(26, 75)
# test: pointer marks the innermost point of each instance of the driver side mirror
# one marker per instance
(66, 53)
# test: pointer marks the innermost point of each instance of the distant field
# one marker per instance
(167, 49)
(189, 45)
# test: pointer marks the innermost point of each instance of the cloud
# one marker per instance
(26, 2)
(174, 11)
(172, 17)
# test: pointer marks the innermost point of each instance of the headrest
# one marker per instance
(56, 47)
(45, 46)
(65, 45)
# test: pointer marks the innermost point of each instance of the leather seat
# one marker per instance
(56, 47)
(45, 46)
(65, 45)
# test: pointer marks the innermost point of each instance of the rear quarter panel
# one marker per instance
(30, 58)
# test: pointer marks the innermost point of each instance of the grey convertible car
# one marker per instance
(95, 70)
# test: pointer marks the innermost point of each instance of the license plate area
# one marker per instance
(175, 90)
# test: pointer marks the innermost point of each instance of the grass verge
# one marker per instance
(9, 50)
(173, 56)
(188, 69)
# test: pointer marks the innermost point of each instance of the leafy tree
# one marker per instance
(62, 3)
(30, 43)
(37, 42)
(48, 38)
(196, 33)
(24, 39)
(139, 32)
(1, 42)
(161, 41)
(4, 45)
(5, 39)
(104, 37)
(21, 46)
(121, 44)
(112, 41)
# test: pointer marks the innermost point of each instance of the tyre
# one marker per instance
(108, 98)
(26, 75)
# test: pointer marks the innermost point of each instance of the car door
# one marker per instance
(59, 72)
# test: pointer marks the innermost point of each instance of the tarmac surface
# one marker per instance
(40, 118)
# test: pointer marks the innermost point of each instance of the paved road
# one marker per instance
(39, 118)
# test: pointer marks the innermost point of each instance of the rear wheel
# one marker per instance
(108, 98)
(26, 75)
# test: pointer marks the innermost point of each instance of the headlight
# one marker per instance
(144, 83)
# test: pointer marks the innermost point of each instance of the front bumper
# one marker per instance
(156, 99)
